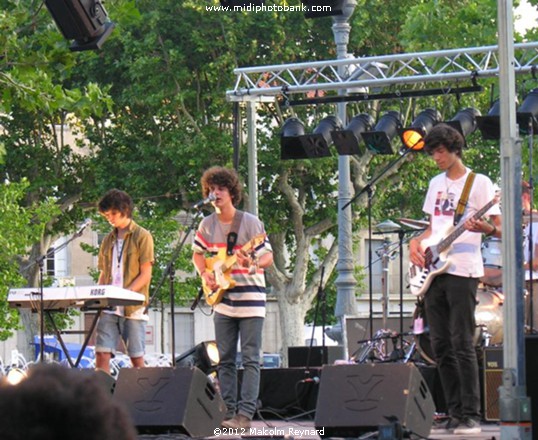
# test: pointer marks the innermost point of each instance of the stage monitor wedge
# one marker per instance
(84, 21)
(357, 399)
(162, 400)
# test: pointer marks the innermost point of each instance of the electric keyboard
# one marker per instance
(83, 297)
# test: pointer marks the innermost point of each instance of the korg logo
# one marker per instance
(97, 292)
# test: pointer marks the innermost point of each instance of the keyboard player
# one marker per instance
(126, 258)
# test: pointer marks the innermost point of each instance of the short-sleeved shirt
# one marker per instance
(441, 203)
(247, 298)
(137, 250)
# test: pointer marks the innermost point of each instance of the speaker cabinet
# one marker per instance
(104, 380)
(314, 356)
(354, 399)
(171, 400)
(85, 21)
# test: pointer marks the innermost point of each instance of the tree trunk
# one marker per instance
(292, 318)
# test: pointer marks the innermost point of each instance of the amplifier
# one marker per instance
(493, 368)
(315, 356)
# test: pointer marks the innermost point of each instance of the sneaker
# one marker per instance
(451, 424)
(468, 426)
(239, 421)
(226, 423)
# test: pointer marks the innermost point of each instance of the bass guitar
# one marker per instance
(221, 267)
(436, 259)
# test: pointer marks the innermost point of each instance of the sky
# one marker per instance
(528, 16)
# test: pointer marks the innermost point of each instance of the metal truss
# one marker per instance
(254, 83)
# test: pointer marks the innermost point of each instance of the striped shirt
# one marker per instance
(247, 298)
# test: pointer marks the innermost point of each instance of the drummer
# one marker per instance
(530, 258)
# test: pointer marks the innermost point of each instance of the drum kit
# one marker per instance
(488, 315)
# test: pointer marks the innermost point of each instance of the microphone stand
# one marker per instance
(40, 261)
(169, 273)
(368, 188)
(401, 233)
(320, 299)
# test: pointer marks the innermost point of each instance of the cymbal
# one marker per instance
(415, 224)
(388, 226)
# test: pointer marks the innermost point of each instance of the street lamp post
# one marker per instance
(345, 282)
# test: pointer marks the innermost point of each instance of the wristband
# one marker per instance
(493, 232)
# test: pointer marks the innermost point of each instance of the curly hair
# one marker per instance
(446, 136)
(55, 402)
(225, 177)
(118, 200)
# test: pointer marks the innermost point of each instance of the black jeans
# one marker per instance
(450, 304)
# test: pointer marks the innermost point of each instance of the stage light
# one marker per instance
(323, 8)
(290, 140)
(16, 376)
(84, 21)
(297, 145)
(528, 112)
(379, 139)
(465, 121)
(489, 125)
(348, 141)
(413, 136)
(204, 356)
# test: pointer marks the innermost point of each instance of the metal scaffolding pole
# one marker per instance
(514, 405)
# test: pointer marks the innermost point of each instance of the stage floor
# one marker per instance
(305, 430)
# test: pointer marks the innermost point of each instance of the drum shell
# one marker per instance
(493, 263)
(489, 326)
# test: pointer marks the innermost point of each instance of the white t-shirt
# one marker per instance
(440, 204)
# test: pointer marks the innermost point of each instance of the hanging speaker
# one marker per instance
(181, 400)
(356, 399)
(85, 21)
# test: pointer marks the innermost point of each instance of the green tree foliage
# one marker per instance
(19, 227)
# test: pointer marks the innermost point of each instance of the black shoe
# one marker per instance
(451, 424)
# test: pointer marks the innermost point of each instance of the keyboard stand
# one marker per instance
(86, 339)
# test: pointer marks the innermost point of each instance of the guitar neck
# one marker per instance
(449, 239)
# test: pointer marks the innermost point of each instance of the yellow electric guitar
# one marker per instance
(221, 266)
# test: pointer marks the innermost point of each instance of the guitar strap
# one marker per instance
(462, 202)
(231, 239)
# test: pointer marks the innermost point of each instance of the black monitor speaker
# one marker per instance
(170, 400)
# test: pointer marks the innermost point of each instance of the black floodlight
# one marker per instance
(413, 136)
(465, 121)
(379, 140)
(84, 21)
(297, 145)
(527, 114)
(323, 8)
(348, 141)
(490, 125)
(290, 140)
